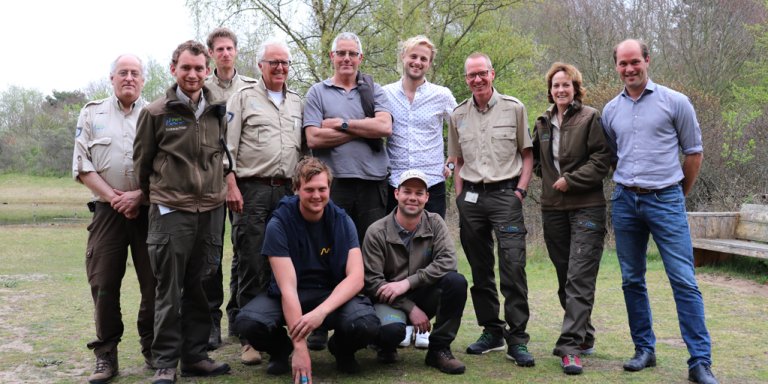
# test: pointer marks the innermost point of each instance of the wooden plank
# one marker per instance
(713, 225)
(754, 212)
(737, 247)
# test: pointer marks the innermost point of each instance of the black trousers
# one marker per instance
(365, 201)
(498, 213)
(445, 300)
(574, 241)
(262, 322)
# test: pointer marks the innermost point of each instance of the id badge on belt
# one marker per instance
(471, 197)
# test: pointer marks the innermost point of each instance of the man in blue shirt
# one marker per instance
(645, 125)
(317, 273)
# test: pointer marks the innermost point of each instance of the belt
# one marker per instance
(271, 181)
(488, 187)
(644, 191)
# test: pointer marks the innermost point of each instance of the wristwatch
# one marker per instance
(344, 125)
(451, 166)
(523, 192)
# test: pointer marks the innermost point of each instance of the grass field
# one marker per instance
(46, 314)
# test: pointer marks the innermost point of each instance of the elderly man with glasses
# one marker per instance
(489, 142)
(264, 136)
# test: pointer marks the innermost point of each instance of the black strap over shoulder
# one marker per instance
(365, 88)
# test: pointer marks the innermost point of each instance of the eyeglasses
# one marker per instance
(125, 73)
(351, 54)
(481, 74)
(275, 63)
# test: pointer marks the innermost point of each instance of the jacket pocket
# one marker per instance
(99, 150)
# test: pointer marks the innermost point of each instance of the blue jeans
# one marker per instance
(661, 214)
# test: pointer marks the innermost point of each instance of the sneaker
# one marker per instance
(387, 356)
(317, 340)
(278, 364)
(486, 343)
(422, 340)
(249, 356)
(408, 336)
(444, 361)
(106, 368)
(164, 376)
(520, 355)
(205, 367)
(571, 365)
(702, 373)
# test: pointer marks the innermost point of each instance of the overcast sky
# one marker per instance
(65, 45)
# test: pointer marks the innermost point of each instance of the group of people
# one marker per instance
(337, 203)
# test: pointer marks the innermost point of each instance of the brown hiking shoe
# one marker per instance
(205, 367)
(249, 356)
(444, 361)
(106, 368)
(164, 376)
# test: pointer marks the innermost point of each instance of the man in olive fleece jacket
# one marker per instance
(410, 270)
(179, 160)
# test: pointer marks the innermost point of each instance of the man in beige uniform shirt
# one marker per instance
(264, 136)
(223, 82)
(103, 161)
(489, 142)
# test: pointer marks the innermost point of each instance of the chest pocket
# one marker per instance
(99, 153)
(504, 142)
(255, 129)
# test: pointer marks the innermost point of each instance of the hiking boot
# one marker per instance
(249, 356)
(408, 336)
(486, 343)
(317, 340)
(345, 362)
(278, 364)
(214, 338)
(444, 361)
(164, 376)
(387, 356)
(641, 359)
(520, 355)
(205, 367)
(702, 373)
(422, 340)
(571, 365)
(106, 368)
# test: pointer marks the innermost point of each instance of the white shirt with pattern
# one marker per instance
(417, 130)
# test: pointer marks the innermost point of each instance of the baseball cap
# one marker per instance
(412, 174)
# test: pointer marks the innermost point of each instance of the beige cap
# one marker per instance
(412, 174)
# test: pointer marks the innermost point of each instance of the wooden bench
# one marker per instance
(717, 236)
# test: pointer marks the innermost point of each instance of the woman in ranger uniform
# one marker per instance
(572, 158)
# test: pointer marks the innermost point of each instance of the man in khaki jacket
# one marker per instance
(104, 137)
(264, 136)
(489, 142)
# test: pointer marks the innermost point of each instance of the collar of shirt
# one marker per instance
(186, 100)
(119, 106)
(491, 102)
(650, 86)
(329, 83)
(405, 235)
(223, 83)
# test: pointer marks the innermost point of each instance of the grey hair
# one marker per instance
(113, 66)
(477, 55)
(347, 36)
(272, 42)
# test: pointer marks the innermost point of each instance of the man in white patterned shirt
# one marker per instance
(419, 109)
